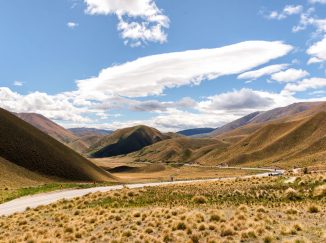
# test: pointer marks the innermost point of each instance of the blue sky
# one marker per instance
(167, 64)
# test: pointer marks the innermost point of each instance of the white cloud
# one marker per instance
(55, 107)
(318, 1)
(244, 101)
(306, 84)
(72, 25)
(306, 19)
(152, 74)
(140, 21)
(268, 70)
(317, 51)
(18, 83)
(287, 11)
(289, 75)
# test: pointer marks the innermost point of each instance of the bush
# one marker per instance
(292, 194)
(199, 199)
(313, 209)
(320, 191)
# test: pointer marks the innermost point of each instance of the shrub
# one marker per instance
(181, 226)
(292, 194)
(313, 209)
(320, 191)
(227, 232)
(199, 199)
(215, 217)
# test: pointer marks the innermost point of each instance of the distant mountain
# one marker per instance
(289, 136)
(47, 126)
(85, 131)
(127, 140)
(235, 124)
(195, 131)
(295, 142)
(24, 145)
(252, 121)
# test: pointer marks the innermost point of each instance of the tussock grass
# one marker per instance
(251, 210)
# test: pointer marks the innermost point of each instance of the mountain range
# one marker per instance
(294, 135)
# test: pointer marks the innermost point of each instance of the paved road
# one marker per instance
(20, 204)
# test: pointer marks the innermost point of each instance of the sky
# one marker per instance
(168, 64)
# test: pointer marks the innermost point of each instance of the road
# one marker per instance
(20, 204)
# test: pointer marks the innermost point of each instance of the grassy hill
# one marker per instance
(47, 126)
(26, 146)
(14, 176)
(126, 140)
(293, 143)
(296, 137)
(238, 129)
(178, 150)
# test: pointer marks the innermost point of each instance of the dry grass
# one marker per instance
(246, 210)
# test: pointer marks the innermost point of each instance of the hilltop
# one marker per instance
(127, 140)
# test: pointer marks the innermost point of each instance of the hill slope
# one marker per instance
(300, 142)
(126, 140)
(47, 126)
(250, 123)
(28, 147)
(14, 176)
(178, 150)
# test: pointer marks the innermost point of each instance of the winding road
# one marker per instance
(20, 204)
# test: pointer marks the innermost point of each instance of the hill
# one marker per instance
(195, 131)
(47, 126)
(301, 142)
(127, 140)
(296, 137)
(249, 123)
(26, 146)
(14, 176)
(178, 150)
(85, 131)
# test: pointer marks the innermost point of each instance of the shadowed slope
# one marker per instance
(15, 176)
(126, 140)
(28, 147)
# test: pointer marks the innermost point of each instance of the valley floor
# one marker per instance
(270, 209)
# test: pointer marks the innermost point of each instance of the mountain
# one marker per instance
(253, 121)
(26, 146)
(177, 150)
(127, 140)
(235, 124)
(83, 144)
(85, 131)
(296, 137)
(299, 142)
(195, 131)
(47, 126)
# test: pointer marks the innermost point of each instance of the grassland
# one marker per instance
(131, 172)
(9, 193)
(271, 209)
